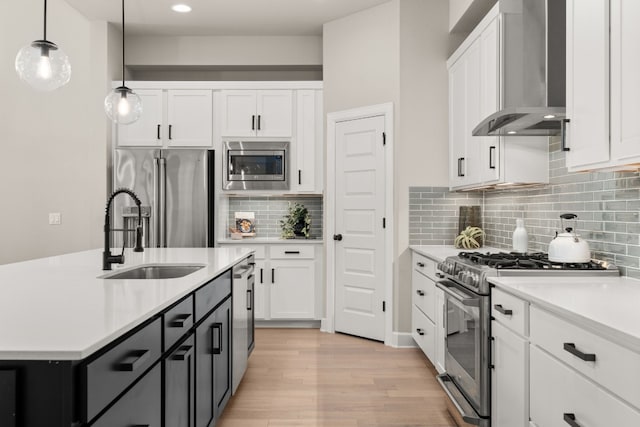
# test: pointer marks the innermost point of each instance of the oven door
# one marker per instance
(467, 346)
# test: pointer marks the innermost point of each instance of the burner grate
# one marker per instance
(525, 261)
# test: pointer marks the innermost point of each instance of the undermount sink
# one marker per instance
(156, 271)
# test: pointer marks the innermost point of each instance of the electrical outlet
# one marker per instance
(54, 218)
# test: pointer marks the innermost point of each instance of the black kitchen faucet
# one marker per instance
(107, 257)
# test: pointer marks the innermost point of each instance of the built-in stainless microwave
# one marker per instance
(255, 165)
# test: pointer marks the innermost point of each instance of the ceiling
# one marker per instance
(223, 17)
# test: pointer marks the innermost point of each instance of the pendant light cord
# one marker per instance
(45, 20)
(122, 43)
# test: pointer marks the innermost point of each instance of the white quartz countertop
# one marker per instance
(440, 252)
(270, 240)
(605, 305)
(58, 308)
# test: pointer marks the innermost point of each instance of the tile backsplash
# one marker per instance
(607, 205)
(270, 210)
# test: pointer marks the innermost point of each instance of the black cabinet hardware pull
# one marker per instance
(253, 122)
(420, 331)
(251, 263)
(570, 419)
(460, 166)
(504, 311)
(571, 348)
(182, 352)
(158, 132)
(273, 275)
(292, 252)
(261, 281)
(440, 275)
(421, 264)
(492, 153)
(170, 127)
(420, 292)
(337, 237)
(216, 327)
(299, 177)
(178, 321)
(563, 134)
(249, 308)
(259, 116)
(134, 360)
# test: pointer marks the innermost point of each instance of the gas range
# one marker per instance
(472, 269)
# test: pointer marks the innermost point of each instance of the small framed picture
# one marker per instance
(245, 223)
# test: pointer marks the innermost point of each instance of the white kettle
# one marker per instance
(567, 247)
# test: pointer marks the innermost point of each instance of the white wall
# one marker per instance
(224, 50)
(53, 143)
(396, 52)
(421, 155)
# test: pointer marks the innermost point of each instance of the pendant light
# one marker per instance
(42, 64)
(122, 105)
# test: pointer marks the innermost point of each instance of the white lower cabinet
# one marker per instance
(288, 284)
(427, 310)
(561, 396)
(509, 378)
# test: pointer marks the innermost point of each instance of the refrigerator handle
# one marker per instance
(154, 223)
(162, 201)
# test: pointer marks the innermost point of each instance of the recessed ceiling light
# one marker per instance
(512, 132)
(181, 8)
(550, 116)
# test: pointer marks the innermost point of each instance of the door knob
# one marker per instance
(337, 237)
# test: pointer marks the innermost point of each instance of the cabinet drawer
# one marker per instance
(424, 294)
(212, 294)
(260, 252)
(292, 251)
(177, 321)
(557, 390)
(511, 311)
(614, 365)
(424, 265)
(109, 374)
(140, 406)
(423, 332)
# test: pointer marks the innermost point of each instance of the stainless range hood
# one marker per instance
(532, 74)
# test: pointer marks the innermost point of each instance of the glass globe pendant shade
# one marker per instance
(43, 65)
(123, 106)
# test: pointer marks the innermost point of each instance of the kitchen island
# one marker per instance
(77, 348)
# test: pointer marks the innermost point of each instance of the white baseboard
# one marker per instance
(402, 340)
(310, 324)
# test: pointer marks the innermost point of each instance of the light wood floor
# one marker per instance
(303, 377)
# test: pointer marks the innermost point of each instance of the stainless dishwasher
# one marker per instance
(242, 294)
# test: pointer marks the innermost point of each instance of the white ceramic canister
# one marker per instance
(520, 239)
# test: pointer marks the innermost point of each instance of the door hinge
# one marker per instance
(384, 138)
(384, 222)
(384, 306)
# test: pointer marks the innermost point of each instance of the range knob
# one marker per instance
(446, 267)
(472, 280)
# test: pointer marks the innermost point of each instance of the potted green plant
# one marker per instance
(297, 222)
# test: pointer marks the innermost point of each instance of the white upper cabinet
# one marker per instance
(474, 94)
(249, 113)
(603, 64)
(170, 118)
(306, 173)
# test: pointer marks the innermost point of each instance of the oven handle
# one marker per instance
(458, 295)
(466, 411)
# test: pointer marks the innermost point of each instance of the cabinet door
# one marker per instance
(303, 174)
(147, 130)
(238, 115)
(587, 83)
(179, 386)
(509, 379)
(275, 113)
(625, 84)
(190, 119)
(261, 290)
(489, 100)
(205, 408)
(222, 328)
(292, 290)
(440, 331)
(140, 406)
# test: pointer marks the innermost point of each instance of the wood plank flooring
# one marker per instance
(303, 377)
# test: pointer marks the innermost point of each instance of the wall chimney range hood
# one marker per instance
(532, 74)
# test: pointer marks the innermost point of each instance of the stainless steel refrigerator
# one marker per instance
(176, 190)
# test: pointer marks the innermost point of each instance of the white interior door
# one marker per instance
(359, 210)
